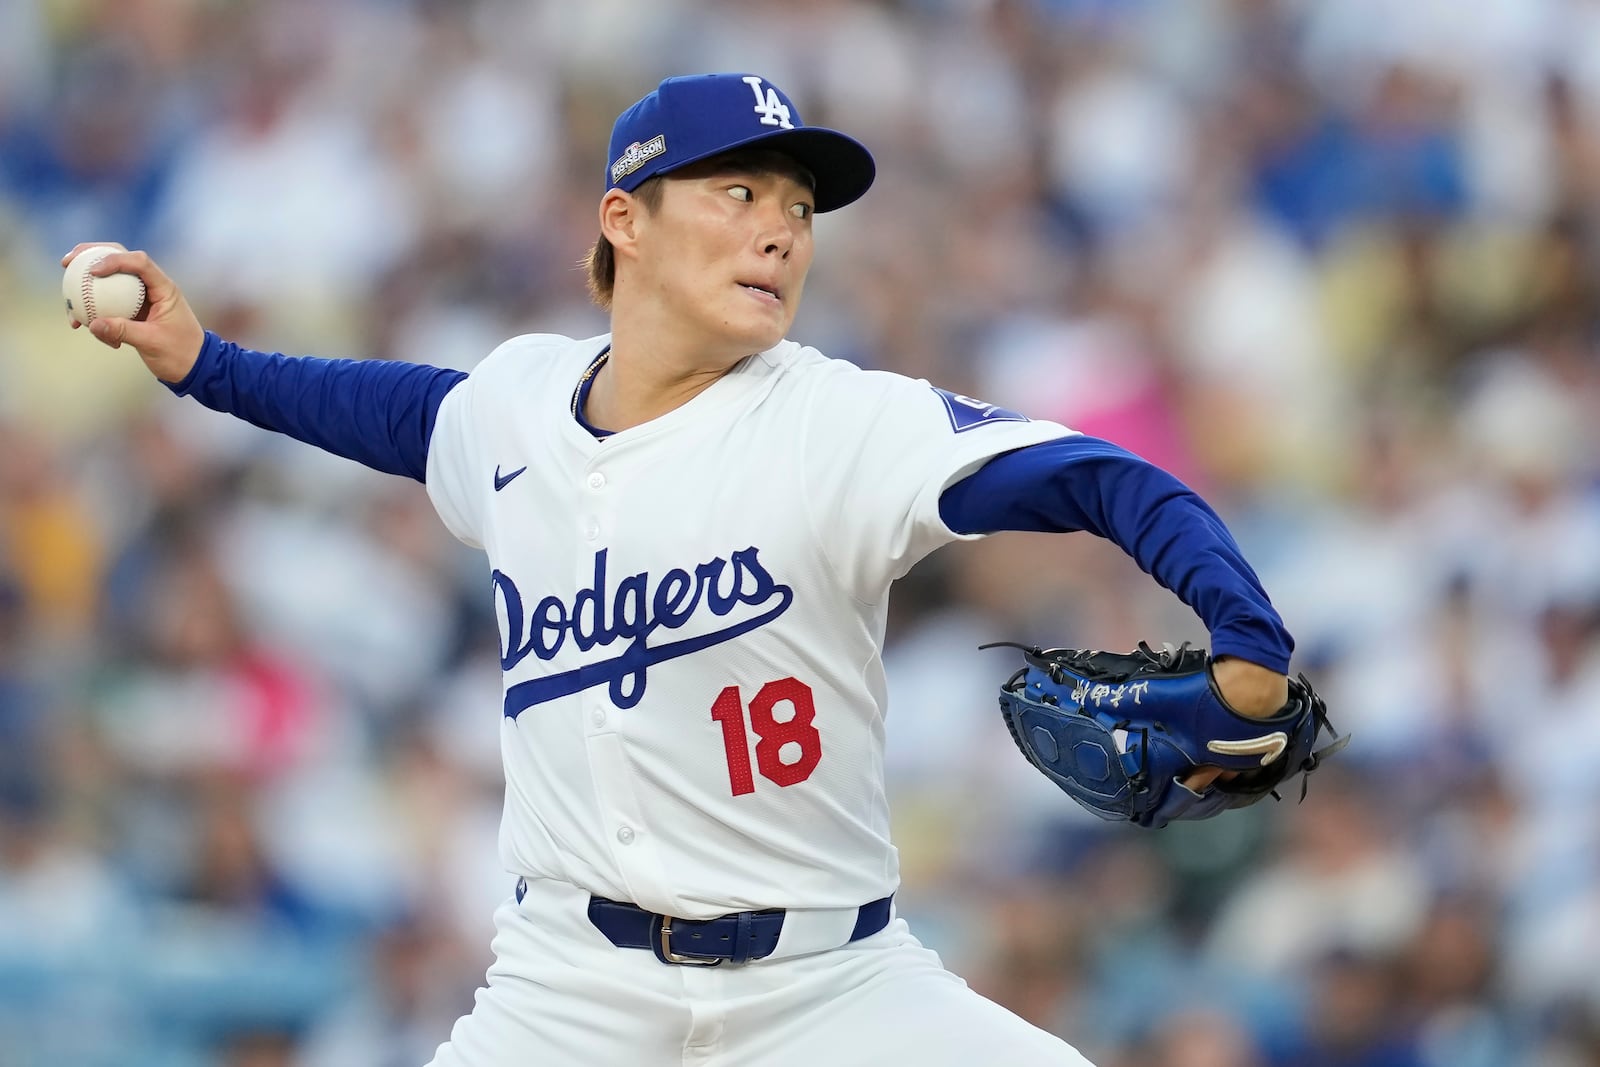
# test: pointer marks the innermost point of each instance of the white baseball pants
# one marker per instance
(560, 993)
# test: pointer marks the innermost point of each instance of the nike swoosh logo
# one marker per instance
(500, 482)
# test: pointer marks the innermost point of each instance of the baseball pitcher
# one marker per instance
(692, 525)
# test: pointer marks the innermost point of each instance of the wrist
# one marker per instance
(1249, 689)
(179, 375)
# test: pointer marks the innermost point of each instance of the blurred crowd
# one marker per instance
(1333, 262)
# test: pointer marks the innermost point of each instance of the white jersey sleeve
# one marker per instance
(879, 450)
(452, 455)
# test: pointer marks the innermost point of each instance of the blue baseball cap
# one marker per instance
(688, 119)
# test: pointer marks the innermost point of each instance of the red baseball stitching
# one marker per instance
(88, 293)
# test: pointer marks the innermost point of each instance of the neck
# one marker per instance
(652, 370)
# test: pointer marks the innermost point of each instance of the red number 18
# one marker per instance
(774, 734)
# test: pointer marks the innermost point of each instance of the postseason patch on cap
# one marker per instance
(637, 155)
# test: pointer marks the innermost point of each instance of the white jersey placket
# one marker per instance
(633, 845)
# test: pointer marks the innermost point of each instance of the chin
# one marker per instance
(764, 341)
(756, 337)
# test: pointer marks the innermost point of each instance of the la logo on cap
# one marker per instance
(773, 111)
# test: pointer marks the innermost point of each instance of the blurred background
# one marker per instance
(1333, 263)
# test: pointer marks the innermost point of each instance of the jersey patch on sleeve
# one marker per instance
(966, 413)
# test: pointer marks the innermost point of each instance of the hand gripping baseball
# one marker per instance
(168, 337)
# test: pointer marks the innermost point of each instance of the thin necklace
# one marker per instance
(594, 368)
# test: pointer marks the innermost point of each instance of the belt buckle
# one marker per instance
(664, 950)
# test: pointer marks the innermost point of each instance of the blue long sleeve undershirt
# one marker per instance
(381, 414)
(1085, 483)
(377, 412)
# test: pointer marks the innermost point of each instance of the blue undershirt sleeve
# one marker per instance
(376, 412)
(1085, 483)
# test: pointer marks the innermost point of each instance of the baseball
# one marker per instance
(116, 296)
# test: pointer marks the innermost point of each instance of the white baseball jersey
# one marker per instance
(691, 615)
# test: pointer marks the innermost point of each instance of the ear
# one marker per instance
(620, 213)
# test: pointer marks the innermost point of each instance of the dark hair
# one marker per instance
(601, 260)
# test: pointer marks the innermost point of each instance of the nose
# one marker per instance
(776, 236)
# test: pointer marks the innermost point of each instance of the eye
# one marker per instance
(740, 192)
(802, 211)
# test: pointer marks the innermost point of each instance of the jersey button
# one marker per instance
(625, 835)
(598, 716)
(597, 480)
(591, 530)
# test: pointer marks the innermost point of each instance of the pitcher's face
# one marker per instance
(728, 250)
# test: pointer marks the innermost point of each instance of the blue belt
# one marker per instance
(737, 938)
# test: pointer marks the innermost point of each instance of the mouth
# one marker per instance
(763, 292)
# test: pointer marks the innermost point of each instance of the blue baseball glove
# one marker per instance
(1116, 731)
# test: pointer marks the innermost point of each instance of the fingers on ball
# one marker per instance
(121, 263)
(79, 248)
